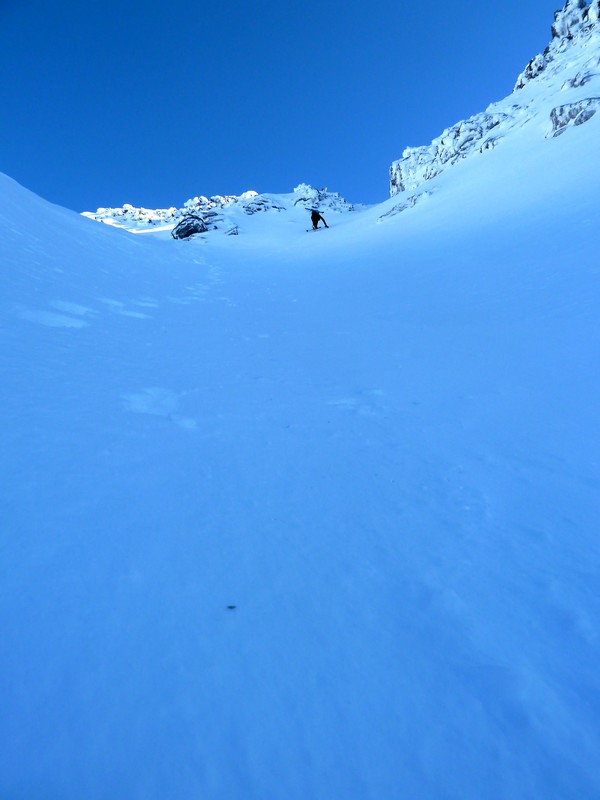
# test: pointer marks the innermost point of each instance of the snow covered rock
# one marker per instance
(573, 114)
(419, 164)
(131, 217)
(577, 18)
(189, 226)
(220, 211)
(410, 202)
(570, 61)
(258, 203)
(309, 197)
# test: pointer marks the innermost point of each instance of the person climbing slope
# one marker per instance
(315, 218)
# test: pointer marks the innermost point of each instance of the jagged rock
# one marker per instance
(202, 204)
(419, 164)
(309, 197)
(579, 80)
(534, 68)
(576, 18)
(189, 226)
(575, 26)
(573, 114)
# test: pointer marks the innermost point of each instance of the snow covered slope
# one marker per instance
(291, 515)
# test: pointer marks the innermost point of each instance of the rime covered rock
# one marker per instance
(419, 164)
(308, 197)
(219, 211)
(573, 114)
(577, 18)
(570, 62)
(259, 203)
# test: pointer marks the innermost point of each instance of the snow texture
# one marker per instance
(309, 517)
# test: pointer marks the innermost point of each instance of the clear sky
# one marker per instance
(150, 103)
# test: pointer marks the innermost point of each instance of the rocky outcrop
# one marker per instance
(419, 164)
(308, 197)
(577, 18)
(215, 212)
(189, 226)
(260, 203)
(575, 29)
(573, 114)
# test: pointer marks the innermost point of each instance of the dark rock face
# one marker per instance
(189, 226)
(573, 114)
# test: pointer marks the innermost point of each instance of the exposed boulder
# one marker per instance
(189, 226)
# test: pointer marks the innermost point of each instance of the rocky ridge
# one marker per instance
(576, 19)
(572, 57)
(218, 212)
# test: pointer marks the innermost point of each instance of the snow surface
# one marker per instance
(307, 516)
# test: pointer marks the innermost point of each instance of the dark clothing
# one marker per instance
(316, 218)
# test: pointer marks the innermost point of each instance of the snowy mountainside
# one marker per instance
(223, 212)
(557, 88)
(308, 516)
(300, 504)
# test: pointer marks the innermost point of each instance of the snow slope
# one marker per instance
(378, 443)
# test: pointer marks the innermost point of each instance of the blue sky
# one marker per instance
(149, 103)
